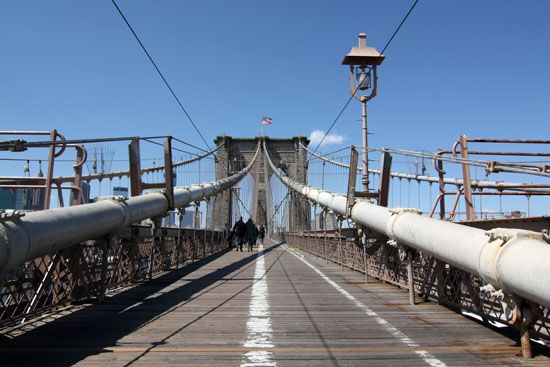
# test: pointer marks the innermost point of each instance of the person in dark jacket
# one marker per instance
(261, 234)
(239, 230)
(251, 234)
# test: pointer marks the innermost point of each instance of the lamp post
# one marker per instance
(362, 61)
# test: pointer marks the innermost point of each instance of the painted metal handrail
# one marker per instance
(45, 232)
(516, 261)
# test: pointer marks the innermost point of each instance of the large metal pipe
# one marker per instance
(45, 232)
(516, 261)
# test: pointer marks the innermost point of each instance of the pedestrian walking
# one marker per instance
(251, 234)
(239, 230)
(261, 234)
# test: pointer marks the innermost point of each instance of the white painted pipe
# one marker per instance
(514, 260)
(45, 232)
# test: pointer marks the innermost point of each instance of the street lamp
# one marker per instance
(362, 61)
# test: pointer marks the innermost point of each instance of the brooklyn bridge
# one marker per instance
(268, 248)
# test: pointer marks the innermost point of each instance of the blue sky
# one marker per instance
(474, 67)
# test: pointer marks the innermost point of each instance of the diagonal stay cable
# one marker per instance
(160, 74)
(357, 88)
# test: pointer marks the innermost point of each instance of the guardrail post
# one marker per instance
(384, 189)
(340, 243)
(410, 279)
(154, 226)
(468, 200)
(106, 245)
(366, 263)
(135, 168)
(526, 321)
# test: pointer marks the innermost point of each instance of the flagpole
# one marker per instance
(262, 127)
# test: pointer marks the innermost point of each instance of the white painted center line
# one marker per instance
(429, 358)
(258, 327)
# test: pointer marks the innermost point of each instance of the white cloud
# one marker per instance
(331, 139)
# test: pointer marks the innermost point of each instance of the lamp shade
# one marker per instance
(363, 55)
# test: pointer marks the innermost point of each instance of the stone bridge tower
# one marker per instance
(236, 153)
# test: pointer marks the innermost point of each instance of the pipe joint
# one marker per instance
(492, 254)
(396, 213)
(122, 203)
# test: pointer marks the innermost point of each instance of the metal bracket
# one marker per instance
(117, 198)
(13, 145)
(10, 214)
(398, 211)
(507, 234)
(392, 243)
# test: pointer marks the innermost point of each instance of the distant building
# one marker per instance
(120, 191)
(86, 189)
(188, 219)
(34, 199)
(22, 199)
(515, 214)
(7, 199)
(329, 223)
(169, 220)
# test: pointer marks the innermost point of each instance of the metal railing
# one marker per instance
(90, 270)
(432, 279)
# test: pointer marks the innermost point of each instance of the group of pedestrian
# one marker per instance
(247, 232)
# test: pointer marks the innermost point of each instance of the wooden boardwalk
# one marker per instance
(277, 307)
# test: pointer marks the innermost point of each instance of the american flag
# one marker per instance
(267, 121)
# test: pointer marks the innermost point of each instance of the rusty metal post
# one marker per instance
(340, 243)
(384, 190)
(525, 323)
(49, 175)
(441, 174)
(105, 247)
(195, 224)
(135, 168)
(410, 280)
(178, 241)
(352, 180)
(204, 243)
(365, 263)
(168, 172)
(165, 255)
(76, 198)
(59, 194)
(325, 235)
(440, 282)
(154, 226)
(468, 201)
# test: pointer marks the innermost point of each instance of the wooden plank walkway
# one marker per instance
(277, 307)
